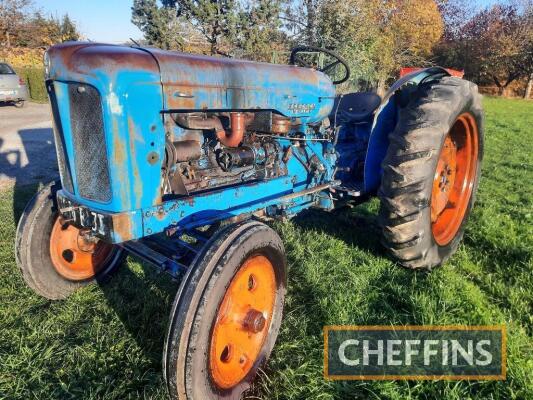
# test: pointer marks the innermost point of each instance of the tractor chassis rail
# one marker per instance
(195, 211)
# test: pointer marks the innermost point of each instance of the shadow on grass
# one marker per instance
(356, 227)
(142, 300)
(21, 196)
(41, 167)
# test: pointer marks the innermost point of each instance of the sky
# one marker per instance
(98, 20)
(109, 20)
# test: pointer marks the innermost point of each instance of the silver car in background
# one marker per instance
(12, 88)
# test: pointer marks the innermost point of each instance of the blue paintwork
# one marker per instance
(139, 87)
(129, 133)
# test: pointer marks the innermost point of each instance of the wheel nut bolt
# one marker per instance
(254, 321)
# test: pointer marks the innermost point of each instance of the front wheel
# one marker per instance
(56, 258)
(431, 173)
(226, 315)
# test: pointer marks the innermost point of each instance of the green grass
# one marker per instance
(106, 341)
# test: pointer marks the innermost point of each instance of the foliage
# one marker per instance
(216, 20)
(12, 18)
(258, 32)
(302, 18)
(227, 27)
(34, 78)
(494, 45)
(41, 31)
(378, 38)
(106, 341)
(20, 28)
(69, 32)
(22, 56)
(159, 25)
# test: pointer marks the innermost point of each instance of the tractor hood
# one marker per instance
(194, 82)
(86, 62)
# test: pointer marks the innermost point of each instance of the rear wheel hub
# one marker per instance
(454, 179)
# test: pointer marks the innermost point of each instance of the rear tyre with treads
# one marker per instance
(431, 173)
(226, 315)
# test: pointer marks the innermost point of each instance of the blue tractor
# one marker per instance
(179, 159)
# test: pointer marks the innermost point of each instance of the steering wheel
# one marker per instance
(330, 66)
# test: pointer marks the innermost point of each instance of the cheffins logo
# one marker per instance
(415, 352)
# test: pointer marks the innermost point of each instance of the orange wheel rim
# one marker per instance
(75, 256)
(243, 322)
(454, 179)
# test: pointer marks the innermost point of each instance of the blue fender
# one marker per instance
(384, 123)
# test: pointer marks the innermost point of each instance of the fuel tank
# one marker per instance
(201, 83)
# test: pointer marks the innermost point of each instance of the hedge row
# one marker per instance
(34, 78)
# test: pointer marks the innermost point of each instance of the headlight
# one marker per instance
(46, 62)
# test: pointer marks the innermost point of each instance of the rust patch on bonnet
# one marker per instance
(179, 97)
(85, 57)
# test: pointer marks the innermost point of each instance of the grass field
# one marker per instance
(105, 342)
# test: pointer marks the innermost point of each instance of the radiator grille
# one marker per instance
(62, 160)
(90, 155)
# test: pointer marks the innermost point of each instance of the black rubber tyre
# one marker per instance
(19, 104)
(410, 165)
(187, 347)
(32, 249)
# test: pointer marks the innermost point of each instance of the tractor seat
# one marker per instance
(355, 107)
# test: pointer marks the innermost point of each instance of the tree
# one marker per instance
(258, 32)
(345, 27)
(12, 14)
(68, 30)
(226, 27)
(378, 37)
(455, 14)
(499, 52)
(528, 47)
(216, 20)
(499, 38)
(159, 25)
(39, 31)
(408, 30)
(494, 45)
